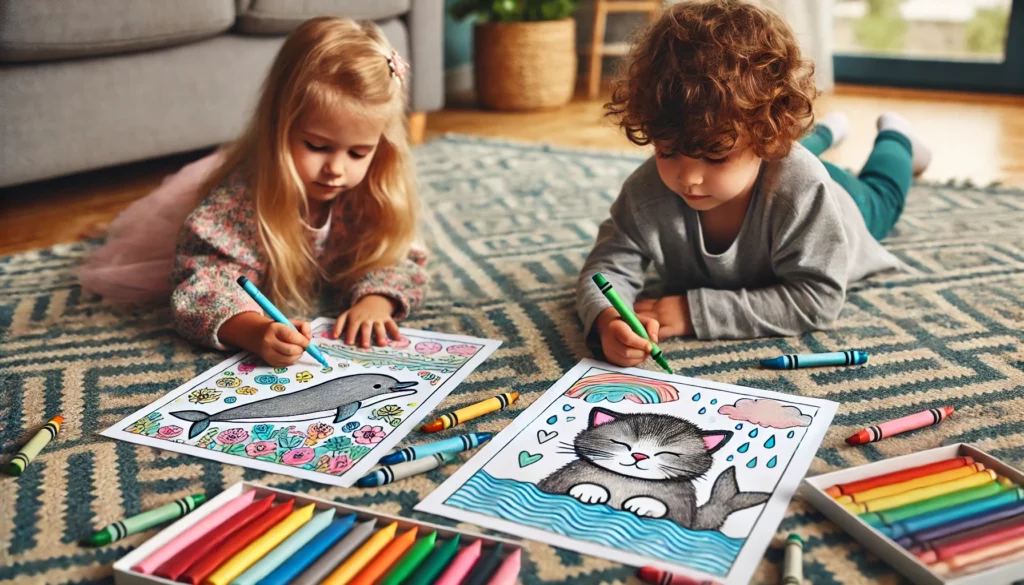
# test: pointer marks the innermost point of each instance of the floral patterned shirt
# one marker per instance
(220, 242)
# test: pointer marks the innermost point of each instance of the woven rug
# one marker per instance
(509, 225)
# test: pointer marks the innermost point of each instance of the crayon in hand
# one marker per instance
(629, 317)
(470, 412)
(22, 458)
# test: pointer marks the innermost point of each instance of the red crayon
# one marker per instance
(925, 418)
(846, 489)
(209, 563)
(180, 562)
(998, 533)
(659, 577)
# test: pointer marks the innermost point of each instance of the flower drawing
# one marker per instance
(169, 432)
(388, 411)
(203, 396)
(262, 431)
(232, 436)
(369, 435)
(246, 390)
(146, 426)
(261, 448)
(335, 444)
(350, 426)
(318, 431)
(339, 464)
(298, 456)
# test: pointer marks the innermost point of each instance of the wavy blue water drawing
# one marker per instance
(771, 462)
(522, 503)
(739, 426)
(752, 463)
(743, 448)
(702, 410)
(752, 434)
(696, 397)
(790, 434)
(770, 443)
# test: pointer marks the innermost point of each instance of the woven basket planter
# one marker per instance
(525, 65)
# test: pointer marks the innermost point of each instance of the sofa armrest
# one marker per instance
(425, 22)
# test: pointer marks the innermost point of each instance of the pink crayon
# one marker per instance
(508, 572)
(460, 565)
(197, 531)
(932, 416)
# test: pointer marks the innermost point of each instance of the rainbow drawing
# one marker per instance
(619, 387)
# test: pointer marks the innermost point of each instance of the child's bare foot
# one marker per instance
(838, 124)
(921, 154)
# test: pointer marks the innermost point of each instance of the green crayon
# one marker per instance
(630, 318)
(145, 520)
(887, 517)
(22, 458)
(410, 560)
(435, 563)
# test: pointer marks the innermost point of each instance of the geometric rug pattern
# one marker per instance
(509, 225)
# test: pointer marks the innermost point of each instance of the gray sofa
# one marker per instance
(86, 84)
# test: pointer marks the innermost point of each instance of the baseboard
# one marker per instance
(458, 80)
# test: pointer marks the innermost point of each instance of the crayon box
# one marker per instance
(813, 489)
(124, 575)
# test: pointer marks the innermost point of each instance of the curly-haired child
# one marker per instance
(750, 233)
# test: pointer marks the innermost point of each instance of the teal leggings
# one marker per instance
(880, 190)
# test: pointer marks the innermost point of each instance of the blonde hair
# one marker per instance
(326, 64)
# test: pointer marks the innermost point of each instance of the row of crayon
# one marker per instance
(954, 515)
(249, 541)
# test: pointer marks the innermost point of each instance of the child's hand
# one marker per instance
(279, 345)
(620, 344)
(671, 313)
(369, 317)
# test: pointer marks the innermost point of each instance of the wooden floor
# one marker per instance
(975, 137)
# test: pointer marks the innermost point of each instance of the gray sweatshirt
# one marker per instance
(802, 241)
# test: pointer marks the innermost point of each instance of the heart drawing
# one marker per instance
(526, 458)
(545, 436)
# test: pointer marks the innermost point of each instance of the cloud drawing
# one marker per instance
(767, 413)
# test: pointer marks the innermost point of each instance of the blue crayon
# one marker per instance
(310, 552)
(452, 445)
(854, 357)
(275, 314)
(928, 520)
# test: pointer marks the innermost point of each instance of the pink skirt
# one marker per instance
(134, 265)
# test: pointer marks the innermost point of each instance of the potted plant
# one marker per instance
(524, 52)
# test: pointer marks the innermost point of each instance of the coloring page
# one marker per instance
(329, 425)
(644, 468)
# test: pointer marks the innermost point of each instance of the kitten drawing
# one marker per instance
(646, 464)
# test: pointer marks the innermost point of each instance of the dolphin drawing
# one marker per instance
(340, 396)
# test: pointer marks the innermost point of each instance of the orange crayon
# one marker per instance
(897, 476)
(925, 418)
(905, 486)
(386, 558)
(470, 412)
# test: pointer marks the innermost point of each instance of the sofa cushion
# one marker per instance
(39, 30)
(275, 17)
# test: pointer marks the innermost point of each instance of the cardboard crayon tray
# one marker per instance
(813, 490)
(124, 575)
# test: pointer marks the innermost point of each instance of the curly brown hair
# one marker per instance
(708, 72)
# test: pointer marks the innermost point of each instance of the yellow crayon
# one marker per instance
(973, 480)
(912, 484)
(362, 557)
(470, 412)
(22, 458)
(245, 558)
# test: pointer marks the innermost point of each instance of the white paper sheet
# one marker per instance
(590, 439)
(283, 420)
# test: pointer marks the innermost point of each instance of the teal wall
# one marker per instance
(458, 40)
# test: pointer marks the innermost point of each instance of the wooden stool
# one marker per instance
(600, 49)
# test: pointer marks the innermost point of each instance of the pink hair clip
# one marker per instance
(399, 67)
